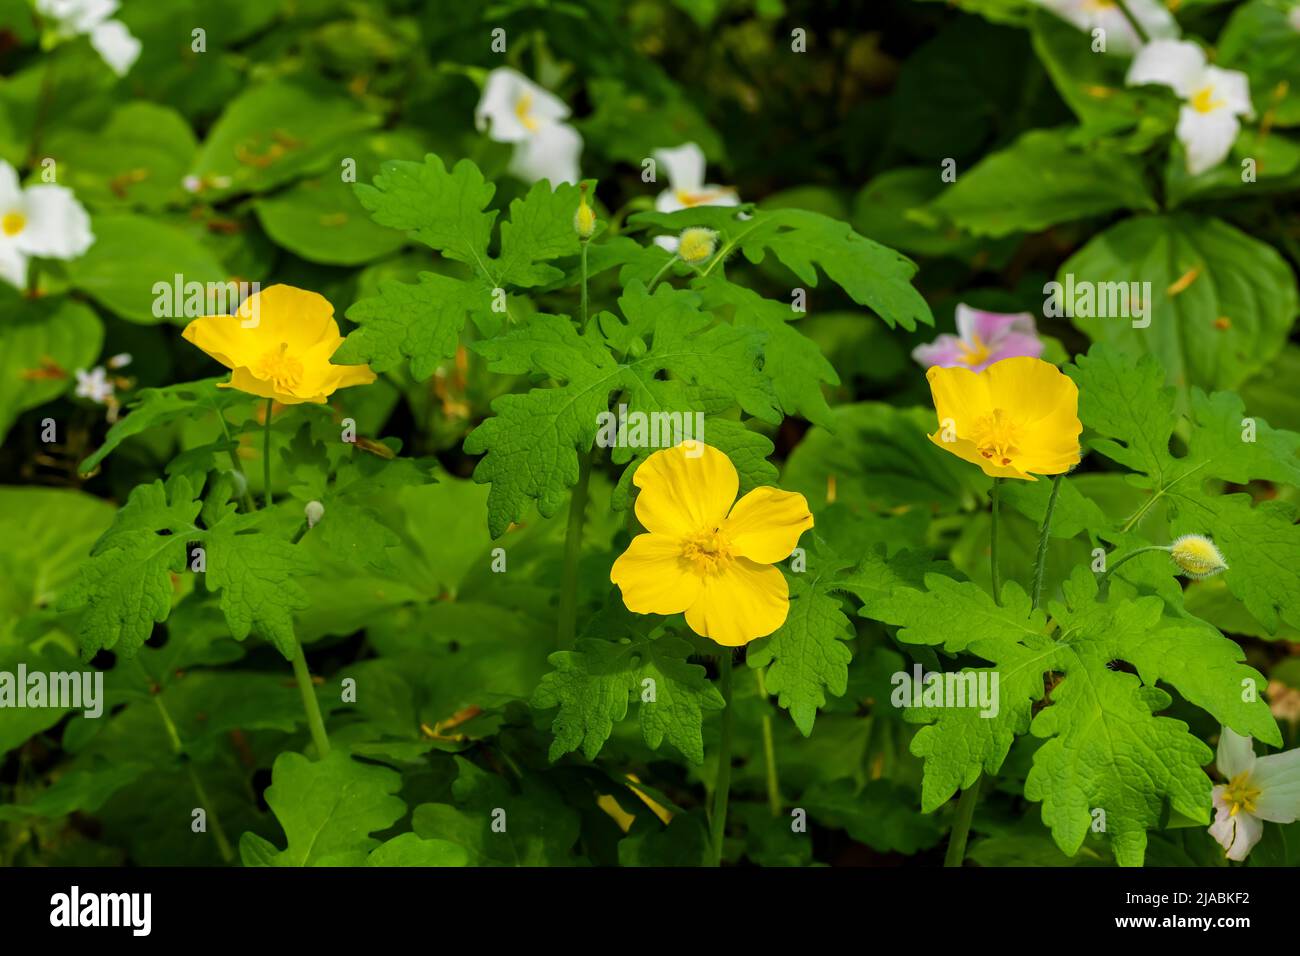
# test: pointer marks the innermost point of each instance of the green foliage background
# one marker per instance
(475, 433)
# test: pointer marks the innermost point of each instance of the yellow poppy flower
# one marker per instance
(705, 557)
(278, 345)
(1015, 419)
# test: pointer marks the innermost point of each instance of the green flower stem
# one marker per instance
(1040, 565)
(1137, 25)
(174, 738)
(1103, 584)
(218, 833)
(994, 577)
(235, 463)
(722, 783)
(584, 285)
(266, 456)
(567, 627)
(956, 854)
(769, 753)
(309, 702)
(660, 274)
(310, 705)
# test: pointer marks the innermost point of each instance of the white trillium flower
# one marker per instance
(1213, 99)
(514, 109)
(1293, 18)
(687, 189)
(1106, 15)
(94, 385)
(1258, 789)
(110, 38)
(42, 221)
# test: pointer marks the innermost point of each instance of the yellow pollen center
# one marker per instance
(524, 110)
(13, 223)
(1203, 100)
(995, 437)
(976, 353)
(709, 551)
(1097, 6)
(689, 199)
(1241, 794)
(278, 367)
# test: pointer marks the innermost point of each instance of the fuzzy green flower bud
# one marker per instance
(697, 245)
(1197, 556)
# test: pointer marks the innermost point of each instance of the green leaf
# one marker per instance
(1041, 180)
(1133, 415)
(808, 657)
(499, 827)
(593, 685)
(1220, 303)
(321, 219)
(328, 808)
(447, 211)
(871, 274)
(791, 360)
(137, 160)
(131, 255)
(880, 815)
(1260, 42)
(126, 586)
(34, 333)
(274, 133)
(153, 408)
(532, 442)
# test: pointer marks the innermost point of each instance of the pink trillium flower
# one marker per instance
(982, 338)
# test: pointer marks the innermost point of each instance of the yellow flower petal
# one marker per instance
(297, 317)
(654, 577)
(765, 525)
(742, 603)
(279, 345)
(1017, 418)
(685, 490)
(221, 337)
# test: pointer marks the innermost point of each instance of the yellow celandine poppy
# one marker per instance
(1015, 419)
(278, 345)
(704, 557)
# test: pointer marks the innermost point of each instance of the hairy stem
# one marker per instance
(956, 854)
(660, 274)
(769, 753)
(310, 705)
(995, 578)
(722, 783)
(266, 456)
(1040, 565)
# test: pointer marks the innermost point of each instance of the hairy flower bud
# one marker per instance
(314, 512)
(584, 220)
(1197, 556)
(697, 245)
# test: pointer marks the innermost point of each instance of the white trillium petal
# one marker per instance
(114, 42)
(1293, 18)
(13, 265)
(684, 166)
(1207, 137)
(1232, 87)
(1278, 778)
(11, 193)
(1177, 64)
(1238, 833)
(57, 226)
(1236, 754)
(551, 153)
(511, 101)
(1155, 19)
